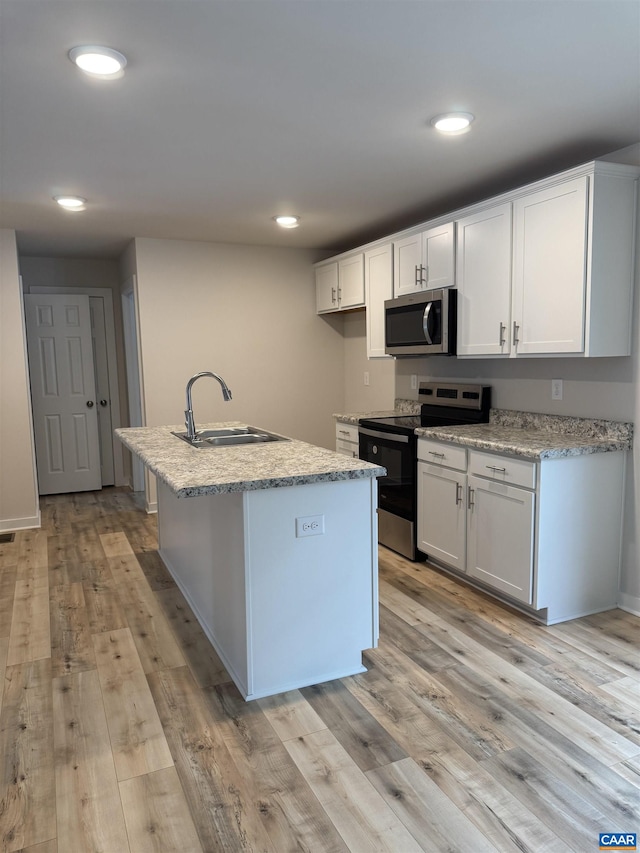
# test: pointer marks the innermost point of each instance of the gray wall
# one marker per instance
(19, 506)
(247, 313)
(379, 394)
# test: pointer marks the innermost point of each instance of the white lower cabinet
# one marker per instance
(544, 535)
(500, 525)
(347, 439)
(442, 495)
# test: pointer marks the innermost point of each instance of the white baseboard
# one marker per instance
(152, 507)
(630, 603)
(8, 525)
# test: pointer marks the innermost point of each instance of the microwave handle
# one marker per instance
(425, 322)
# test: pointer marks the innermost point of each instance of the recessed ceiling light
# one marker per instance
(98, 61)
(70, 202)
(287, 221)
(452, 122)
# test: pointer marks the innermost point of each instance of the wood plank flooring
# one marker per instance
(474, 728)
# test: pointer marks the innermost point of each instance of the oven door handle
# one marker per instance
(425, 322)
(387, 436)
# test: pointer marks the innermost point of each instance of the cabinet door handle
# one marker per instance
(439, 455)
(425, 280)
(503, 329)
(339, 294)
(417, 279)
(470, 501)
(333, 295)
(496, 470)
(515, 333)
(458, 494)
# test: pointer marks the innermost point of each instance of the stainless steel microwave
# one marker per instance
(421, 323)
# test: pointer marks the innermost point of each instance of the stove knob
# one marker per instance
(375, 448)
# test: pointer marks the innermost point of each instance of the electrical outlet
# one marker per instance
(309, 525)
(556, 389)
(414, 381)
(366, 377)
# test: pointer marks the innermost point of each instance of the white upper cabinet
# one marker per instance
(424, 260)
(327, 287)
(549, 269)
(569, 288)
(351, 282)
(340, 284)
(407, 257)
(484, 282)
(438, 256)
(378, 279)
(546, 269)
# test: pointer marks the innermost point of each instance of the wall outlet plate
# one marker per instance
(556, 389)
(309, 525)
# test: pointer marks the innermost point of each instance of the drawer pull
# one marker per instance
(439, 455)
(344, 432)
(496, 470)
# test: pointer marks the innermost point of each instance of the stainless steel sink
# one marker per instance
(229, 436)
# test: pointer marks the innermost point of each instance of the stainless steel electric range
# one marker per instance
(392, 443)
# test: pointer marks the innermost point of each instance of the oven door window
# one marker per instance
(396, 490)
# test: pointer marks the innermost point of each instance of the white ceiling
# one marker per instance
(231, 112)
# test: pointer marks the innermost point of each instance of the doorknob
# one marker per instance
(103, 402)
(89, 404)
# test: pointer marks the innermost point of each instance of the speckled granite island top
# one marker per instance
(537, 436)
(190, 471)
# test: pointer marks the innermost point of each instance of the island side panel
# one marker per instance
(201, 541)
(312, 600)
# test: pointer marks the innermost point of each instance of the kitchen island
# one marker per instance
(274, 546)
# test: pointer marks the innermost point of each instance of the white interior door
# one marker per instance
(63, 393)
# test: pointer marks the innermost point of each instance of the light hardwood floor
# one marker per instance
(474, 729)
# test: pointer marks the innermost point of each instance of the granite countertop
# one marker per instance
(401, 407)
(189, 471)
(537, 436)
(354, 418)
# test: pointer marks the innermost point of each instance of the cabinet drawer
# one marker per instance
(504, 469)
(442, 453)
(347, 447)
(346, 432)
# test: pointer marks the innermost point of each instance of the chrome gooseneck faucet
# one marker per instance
(188, 415)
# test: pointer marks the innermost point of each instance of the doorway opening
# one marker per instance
(102, 403)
